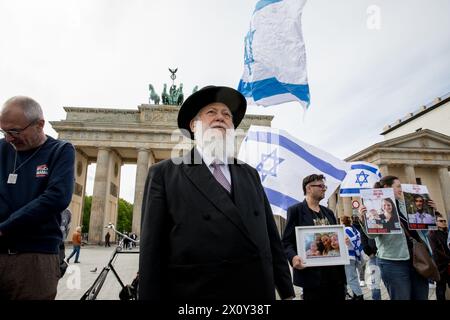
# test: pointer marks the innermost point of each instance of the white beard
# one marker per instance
(214, 144)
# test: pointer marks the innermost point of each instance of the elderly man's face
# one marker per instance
(215, 116)
(27, 133)
(214, 131)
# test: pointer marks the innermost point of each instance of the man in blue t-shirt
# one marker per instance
(36, 184)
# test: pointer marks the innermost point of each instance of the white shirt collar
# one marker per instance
(208, 159)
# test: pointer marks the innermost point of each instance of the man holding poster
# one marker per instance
(325, 283)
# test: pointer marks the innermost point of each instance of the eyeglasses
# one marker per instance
(16, 132)
(322, 186)
(442, 221)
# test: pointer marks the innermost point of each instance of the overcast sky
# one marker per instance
(104, 53)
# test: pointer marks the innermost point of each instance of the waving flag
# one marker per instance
(274, 56)
(362, 175)
(283, 161)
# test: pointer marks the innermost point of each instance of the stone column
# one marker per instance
(141, 176)
(444, 180)
(76, 205)
(332, 202)
(99, 196)
(112, 193)
(347, 206)
(339, 207)
(410, 174)
(280, 222)
(384, 169)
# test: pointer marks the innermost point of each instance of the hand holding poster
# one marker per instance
(322, 245)
(382, 215)
(420, 215)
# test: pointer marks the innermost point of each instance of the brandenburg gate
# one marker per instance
(113, 137)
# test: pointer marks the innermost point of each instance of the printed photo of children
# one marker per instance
(319, 245)
(322, 245)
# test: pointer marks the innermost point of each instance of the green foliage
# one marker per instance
(86, 213)
(124, 218)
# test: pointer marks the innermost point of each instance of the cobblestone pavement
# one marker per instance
(79, 277)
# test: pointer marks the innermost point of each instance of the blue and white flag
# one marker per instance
(283, 161)
(274, 56)
(362, 175)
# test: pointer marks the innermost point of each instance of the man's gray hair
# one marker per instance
(31, 109)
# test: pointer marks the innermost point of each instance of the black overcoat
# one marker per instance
(200, 243)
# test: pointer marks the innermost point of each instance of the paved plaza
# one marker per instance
(81, 276)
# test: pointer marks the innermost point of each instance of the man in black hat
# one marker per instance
(207, 231)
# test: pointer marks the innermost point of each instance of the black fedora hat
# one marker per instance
(232, 98)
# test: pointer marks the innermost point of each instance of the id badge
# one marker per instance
(12, 178)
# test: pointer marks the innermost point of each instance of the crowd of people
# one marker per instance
(207, 230)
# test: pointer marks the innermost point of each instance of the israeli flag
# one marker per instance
(283, 161)
(362, 175)
(274, 55)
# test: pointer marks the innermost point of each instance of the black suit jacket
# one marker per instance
(200, 243)
(310, 277)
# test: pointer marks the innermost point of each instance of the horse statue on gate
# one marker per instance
(153, 95)
(180, 95)
(165, 95)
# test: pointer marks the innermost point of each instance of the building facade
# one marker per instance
(417, 150)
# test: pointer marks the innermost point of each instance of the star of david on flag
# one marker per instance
(269, 164)
(283, 161)
(362, 175)
(275, 55)
(361, 178)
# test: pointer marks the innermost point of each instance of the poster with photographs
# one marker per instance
(420, 215)
(381, 216)
(322, 245)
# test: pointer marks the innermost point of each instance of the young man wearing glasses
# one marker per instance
(441, 254)
(318, 283)
(36, 184)
(421, 216)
